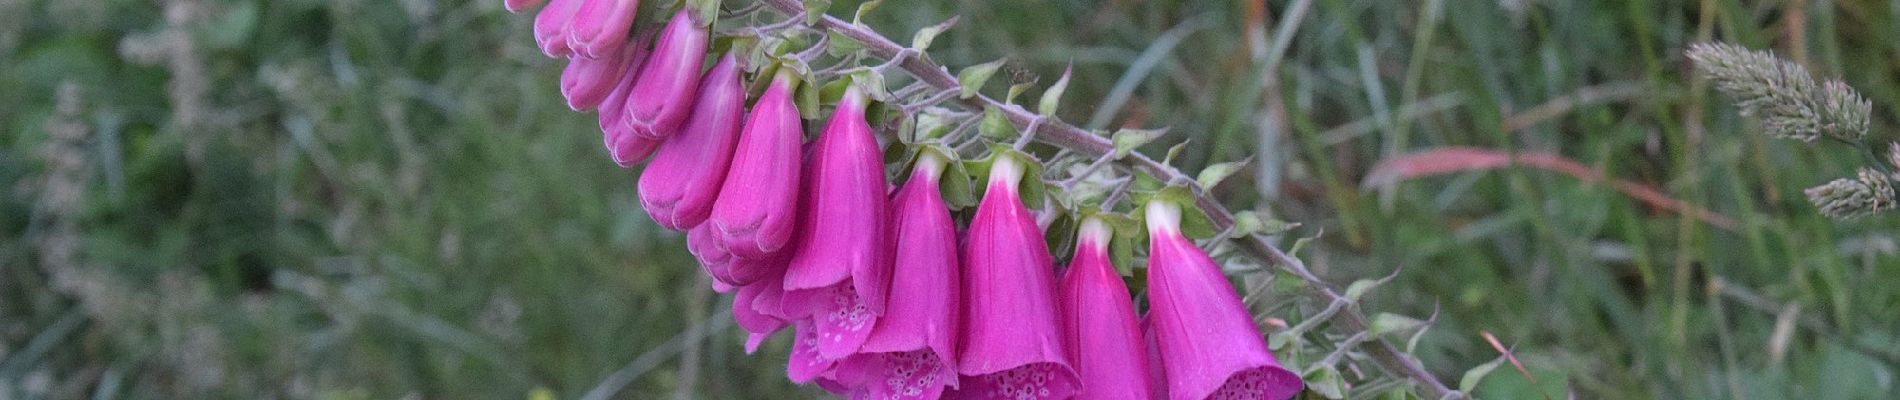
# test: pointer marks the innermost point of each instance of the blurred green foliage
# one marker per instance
(374, 199)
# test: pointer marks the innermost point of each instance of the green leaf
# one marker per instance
(1174, 151)
(929, 126)
(1385, 323)
(865, 9)
(840, 45)
(972, 78)
(1127, 140)
(921, 41)
(1052, 98)
(815, 10)
(1476, 374)
(1017, 90)
(1249, 223)
(1298, 245)
(1360, 287)
(996, 126)
(1216, 173)
(704, 11)
(1326, 382)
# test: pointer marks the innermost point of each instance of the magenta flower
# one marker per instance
(758, 202)
(551, 25)
(586, 82)
(806, 363)
(664, 94)
(678, 188)
(1210, 347)
(1104, 341)
(839, 256)
(515, 6)
(912, 350)
(713, 259)
(756, 309)
(599, 27)
(1012, 334)
(626, 148)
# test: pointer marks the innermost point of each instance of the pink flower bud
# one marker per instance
(626, 148)
(758, 202)
(1012, 334)
(1099, 321)
(679, 186)
(660, 101)
(550, 26)
(516, 6)
(586, 82)
(599, 27)
(1210, 347)
(911, 351)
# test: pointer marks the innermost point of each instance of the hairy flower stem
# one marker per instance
(1061, 134)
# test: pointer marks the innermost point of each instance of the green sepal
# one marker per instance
(954, 181)
(1194, 222)
(1031, 187)
(1126, 236)
(996, 126)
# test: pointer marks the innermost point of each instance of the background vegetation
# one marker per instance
(376, 199)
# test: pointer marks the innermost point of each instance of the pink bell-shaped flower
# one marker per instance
(757, 207)
(1098, 316)
(586, 82)
(1210, 347)
(912, 350)
(678, 188)
(626, 148)
(599, 27)
(1012, 331)
(840, 256)
(515, 6)
(551, 25)
(669, 80)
